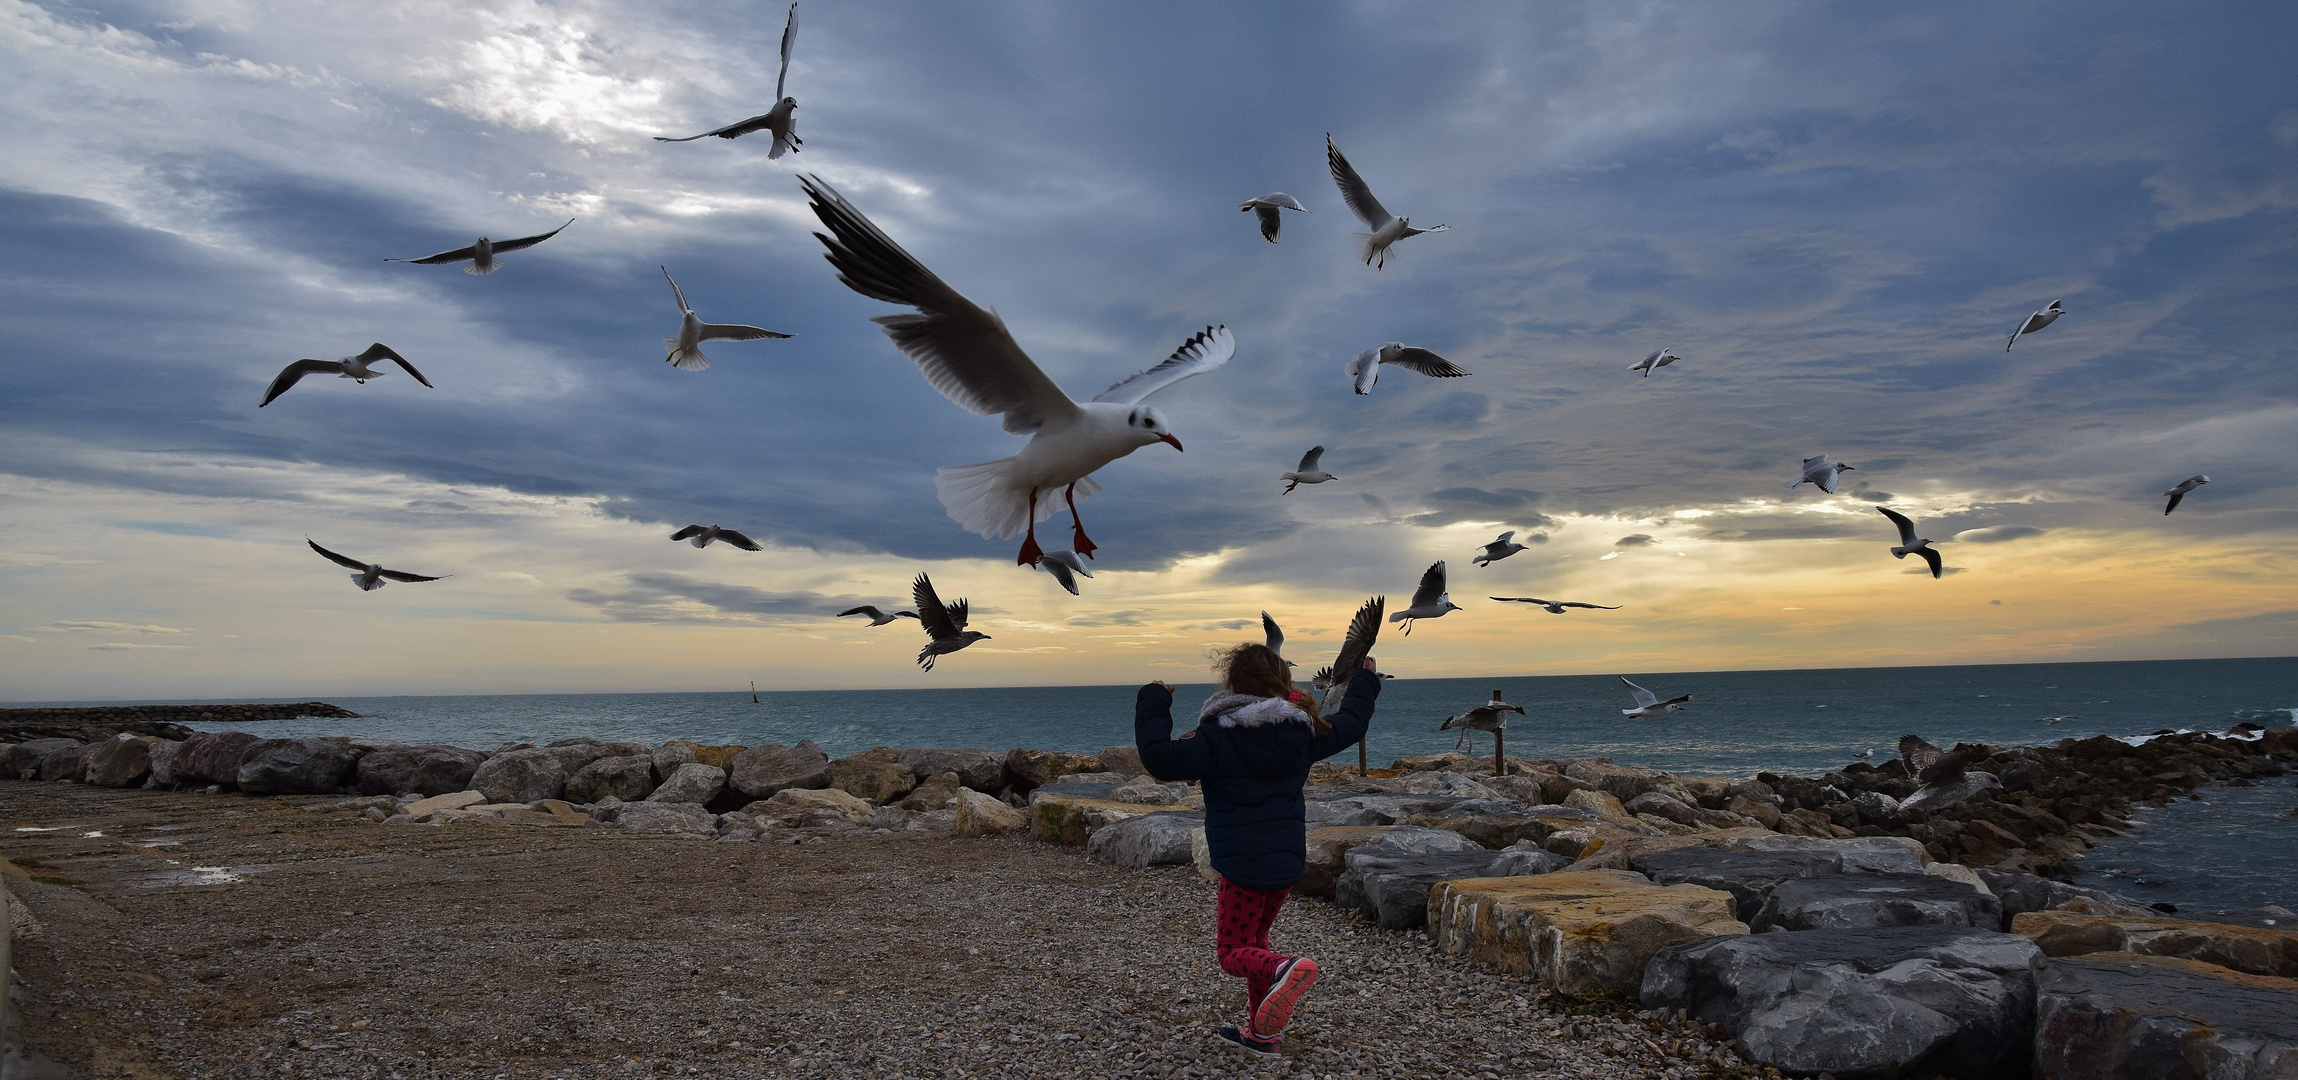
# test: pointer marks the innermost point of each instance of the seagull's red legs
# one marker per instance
(1030, 552)
(1078, 541)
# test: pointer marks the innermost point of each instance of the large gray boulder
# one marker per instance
(124, 760)
(67, 762)
(980, 770)
(211, 757)
(295, 767)
(2021, 893)
(1125, 761)
(532, 775)
(1749, 876)
(1378, 809)
(761, 771)
(1855, 901)
(1879, 1004)
(690, 783)
(1159, 839)
(1872, 854)
(162, 763)
(1415, 840)
(1389, 877)
(21, 761)
(683, 818)
(628, 778)
(423, 770)
(2115, 1016)
(669, 756)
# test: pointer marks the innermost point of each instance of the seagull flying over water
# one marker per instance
(701, 536)
(371, 576)
(1364, 371)
(1648, 704)
(1310, 472)
(945, 624)
(1660, 359)
(2058, 719)
(2035, 322)
(782, 119)
(1555, 607)
(686, 349)
(877, 618)
(967, 354)
(358, 369)
(1065, 567)
(1491, 716)
(1908, 544)
(1820, 473)
(1386, 228)
(1428, 602)
(2176, 493)
(1499, 549)
(481, 255)
(1268, 207)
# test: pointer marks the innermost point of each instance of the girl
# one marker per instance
(1254, 742)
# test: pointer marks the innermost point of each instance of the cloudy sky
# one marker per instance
(1836, 214)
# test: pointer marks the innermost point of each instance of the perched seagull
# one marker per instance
(1555, 607)
(1491, 716)
(1309, 473)
(1648, 704)
(701, 536)
(2058, 719)
(1268, 208)
(1428, 602)
(1930, 765)
(1499, 549)
(1908, 544)
(686, 349)
(358, 369)
(2035, 322)
(1820, 473)
(481, 255)
(1065, 566)
(371, 576)
(1866, 755)
(967, 354)
(782, 119)
(877, 618)
(2176, 493)
(1386, 228)
(1364, 371)
(1660, 359)
(945, 625)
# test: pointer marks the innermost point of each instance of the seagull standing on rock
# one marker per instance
(945, 624)
(481, 255)
(1430, 601)
(358, 369)
(686, 349)
(2179, 492)
(1909, 544)
(702, 535)
(1364, 371)
(1309, 472)
(1820, 473)
(370, 576)
(1648, 704)
(2035, 322)
(877, 618)
(782, 119)
(1499, 549)
(967, 354)
(1491, 716)
(1386, 228)
(1660, 359)
(1268, 208)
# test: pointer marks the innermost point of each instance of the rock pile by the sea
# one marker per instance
(94, 724)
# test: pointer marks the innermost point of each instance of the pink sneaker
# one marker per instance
(1293, 982)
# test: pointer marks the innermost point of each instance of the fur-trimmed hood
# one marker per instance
(1246, 711)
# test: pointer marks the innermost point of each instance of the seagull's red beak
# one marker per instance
(1170, 439)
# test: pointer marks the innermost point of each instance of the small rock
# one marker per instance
(981, 815)
(1027, 769)
(873, 779)
(980, 770)
(1123, 760)
(672, 817)
(811, 806)
(934, 794)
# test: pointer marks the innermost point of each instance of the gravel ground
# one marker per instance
(186, 935)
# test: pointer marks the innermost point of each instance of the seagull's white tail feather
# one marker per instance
(1364, 247)
(366, 585)
(482, 269)
(988, 499)
(689, 360)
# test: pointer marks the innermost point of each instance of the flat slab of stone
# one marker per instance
(1392, 889)
(1872, 854)
(1749, 876)
(2255, 950)
(1576, 931)
(1061, 817)
(453, 800)
(1855, 901)
(1890, 1003)
(2120, 1016)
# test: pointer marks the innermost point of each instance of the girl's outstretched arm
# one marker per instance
(1167, 758)
(1352, 719)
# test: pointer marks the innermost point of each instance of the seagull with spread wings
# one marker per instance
(877, 618)
(702, 535)
(1492, 716)
(1555, 607)
(1386, 228)
(782, 119)
(1355, 655)
(2176, 494)
(370, 576)
(481, 255)
(944, 623)
(1648, 704)
(1065, 567)
(686, 349)
(1499, 549)
(1820, 473)
(1364, 371)
(1660, 359)
(358, 369)
(1909, 544)
(1268, 208)
(968, 355)
(1428, 602)
(2035, 322)
(1310, 471)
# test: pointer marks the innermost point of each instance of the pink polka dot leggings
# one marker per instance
(1243, 917)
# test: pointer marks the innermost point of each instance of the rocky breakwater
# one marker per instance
(96, 723)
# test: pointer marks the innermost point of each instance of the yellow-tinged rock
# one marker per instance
(1576, 931)
(1070, 819)
(1602, 803)
(794, 802)
(564, 811)
(453, 800)
(2256, 950)
(984, 815)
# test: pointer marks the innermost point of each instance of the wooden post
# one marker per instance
(1361, 769)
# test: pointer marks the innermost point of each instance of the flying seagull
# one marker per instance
(1648, 704)
(2058, 719)
(1820, 473)
(1499, 549)
(481, 255)
(967, 354)
(1268, 208)
(358, 369)
(1310, 472)
(1364, 371)
(782, 119)
(701, 536)
(371, 576)
(1930, 765)
(2176, 493)
(877, 618)
(1428, 602)
(686, 349)
(1323, 680)
(1274, 636)
(945, 625)
(1660, 359)
(2035, 322)
(1491, 716)
(1908, 544)
(1555, 607)
(1356, 648)
(1065, 567)
(1386, 228)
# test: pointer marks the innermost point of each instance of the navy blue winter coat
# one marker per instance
(1255, 818)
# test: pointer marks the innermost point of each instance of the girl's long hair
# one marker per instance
(1256, 669)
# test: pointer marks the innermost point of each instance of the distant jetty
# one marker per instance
(165, 721)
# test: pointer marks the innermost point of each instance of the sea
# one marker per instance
(2226, 848)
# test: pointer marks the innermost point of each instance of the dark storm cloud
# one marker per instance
(655, 596)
